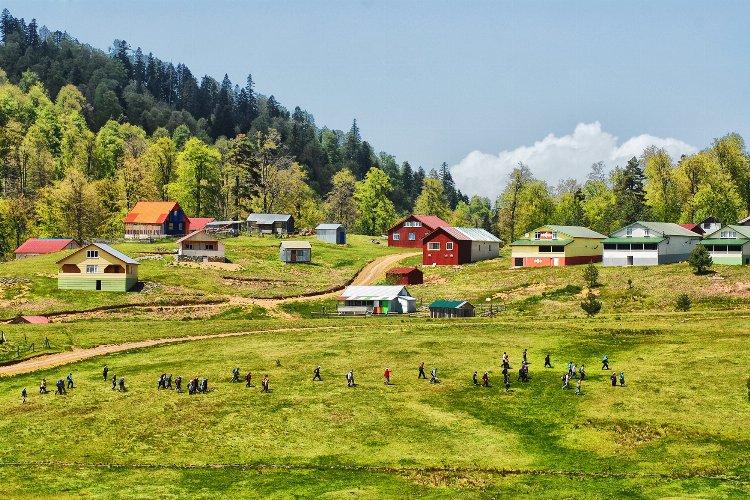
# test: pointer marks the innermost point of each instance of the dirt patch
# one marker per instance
(435, 280)
(524, 291)
(739, 289)
(223, 266)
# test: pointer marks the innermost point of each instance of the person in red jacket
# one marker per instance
(387, 376)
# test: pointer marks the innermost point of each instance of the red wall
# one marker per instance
(403, 231)
(562, 261)
(412, 278)
(461, 252)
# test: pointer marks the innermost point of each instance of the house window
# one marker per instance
(92, 254)
(629, 232)
(537, 235)
(396, 236)
(646, 232)
(558, 249)
(188, 246)
(729, 234)
(706, 225)
(171, 225)
(179, 226)
(433, 245)
(554, 235)
(449, 245)
(649, 246)
(92, 269)
(412, 236)
(417, 224)
(211, 247)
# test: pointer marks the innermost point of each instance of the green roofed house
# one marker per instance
(97, 267)
(729, 245)
(649, 244)
(451, 309)
(553, 245)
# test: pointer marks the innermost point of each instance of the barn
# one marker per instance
(554, 245)
(270, 223)
(411, 230)
(156, 219)
(404, 276)
(380, 299)
(331, 233)
(448, 245)
(292, 252)
(97, 267)
(199, 246)
(451, 309)
(43, 246)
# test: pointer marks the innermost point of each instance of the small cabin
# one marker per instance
(451, 309)
(331, 233)
(294, 252)
(366, 300)
(404, 276)
(270, 223)
(97, 267)
(200, 246)
(225, 227)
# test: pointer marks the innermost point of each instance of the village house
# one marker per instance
(361, 300)
(449, 245)
(270, 223)
(97, 267)
(649, 244)
(226, 227)
(554, 245)
(710, 225)
(200, 246)
(729, 245)
(156, 219)
(696, 228)
(331, 233)
(411, 230)
(404, 276)
(451, 309)
(43, 246)
(292, 252)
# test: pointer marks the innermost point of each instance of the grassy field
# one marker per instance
(678, 428)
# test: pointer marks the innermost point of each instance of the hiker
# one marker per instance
(387, 376)
(485, 380)
(421, 371)
(122, 384)
(507, 382)
(570, 368)
(613, 378)
(70, 381)
(178, 384)
(204, 385)
(249, 378)
(474, 378)
(191, 386)
(350, 378)
(524, 357)
(566, 380)
(578, 387)
(505, 370)
(264, 384)
(23, 395)
(523, 373)
(43, 386)
(168, 382)
(106, 369)
(114, 382)
(582, 372)
(622, 379)
(236, 375)
(574, 371)
(316, 373)
(547, 362)
(61, 387)
(160, 382)
(605, 362)
(506, 362)
(433, 376)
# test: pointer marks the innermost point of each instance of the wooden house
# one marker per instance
(97, 267)
(363, 300)
(451, 309)
(292, 252)
(554, 245)
(199, 246)
(331, 233)
(43, 246)
(648, 244)
(270, 223)
(404, 276)
(411, 230)
(156, 219)
(448, 245)
(729, 245)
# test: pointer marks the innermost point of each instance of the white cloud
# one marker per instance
(554, 158)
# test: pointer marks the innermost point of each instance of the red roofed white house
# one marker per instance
(156, 219)
(43, 246)
(447, 246)
(411, 230)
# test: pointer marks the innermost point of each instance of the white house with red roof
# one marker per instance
(411, 230)
(43, 246)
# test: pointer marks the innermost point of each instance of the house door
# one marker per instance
(342, 238)
(98, 284)
(518, 262)
(629, 260)
(555, 261)
(293, 255)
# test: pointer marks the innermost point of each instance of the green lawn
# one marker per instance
(677, 429)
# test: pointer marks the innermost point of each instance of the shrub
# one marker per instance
(683, 302)
(591, 275)
(700, 259)
(591, 305)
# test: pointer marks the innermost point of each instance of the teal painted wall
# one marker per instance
(731, 260)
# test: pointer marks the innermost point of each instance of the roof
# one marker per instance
(576, 231)
(151, 212)
(34, 320)
(219, 223)
(268, 218)
(466, 234)
(295, 244)
(541, 242)
(746, 219)
(402, 270)
(740, 230)
(432, 221)
(105, 248)
(666, 228)
(645, 239)
(197, 223)
(44, 245)
(190, 236)
(696, 228)
(732, 242)
(328, 226)
(373, 292)
(449, 304)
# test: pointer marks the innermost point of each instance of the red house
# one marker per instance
(43, 246)
(411, 230)
(450, 246)
(404, 276)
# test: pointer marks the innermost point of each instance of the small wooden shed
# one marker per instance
(451, 309)
(404, 276)
(292, 252)
(331, 233)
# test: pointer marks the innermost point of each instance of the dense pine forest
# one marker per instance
(85, 134)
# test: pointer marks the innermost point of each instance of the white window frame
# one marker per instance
(412, 236)
(537, 235)
(449, 246)
(92, 254)
(629, 232)
(417, 224)
(90, 269)
(728, 235)
(396, 237)
(433, 246)
(646, 232)
(554, 235)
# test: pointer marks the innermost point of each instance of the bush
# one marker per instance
(591, 275)
(683, 302)
(700, 259)
(591, 305)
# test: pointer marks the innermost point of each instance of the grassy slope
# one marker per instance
(682, 414)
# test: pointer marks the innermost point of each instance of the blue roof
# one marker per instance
(328, 226)
(115, 253)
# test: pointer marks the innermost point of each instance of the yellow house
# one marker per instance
(97, 267)
(553, 245)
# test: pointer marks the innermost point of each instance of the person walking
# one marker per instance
(387, 376)
(106, 369)
(70, 381)
(570, 368)
(574, 375)
(421, 371)
(485, 380)
(23, 395)
(236, 375)
(622, 379)
(525, 361)
(264, 384)
(350, 378)
(114, 381)
(605, 362)
(178, 384)
(249, 379)
(507, 382)
(613, 379)
(578, 387)
(43, 386)
(474, 378)
(168, 383)
(582, 372)
(160, 382)
(316, 374)
(433, 376)
(547, 362)
(122, 384)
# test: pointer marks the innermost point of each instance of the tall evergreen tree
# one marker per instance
(629, 192)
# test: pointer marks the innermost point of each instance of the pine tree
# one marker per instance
(700, 259)
(591, 275)
(630, 193)
(591, 305)
(683, 302)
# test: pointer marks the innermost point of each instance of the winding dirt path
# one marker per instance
(367, 275)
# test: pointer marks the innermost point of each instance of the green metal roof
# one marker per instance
(665, 228)
(448, 304)
(576, 231)
(634, 240)
(740, 230)
(732, 242)
(541, 242)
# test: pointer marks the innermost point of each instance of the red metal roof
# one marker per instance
(430, 221)
(197, 223)
(44, 245)
(36, 320)
(151, 212)
(401, 270)
(452, 232)
(696, 228)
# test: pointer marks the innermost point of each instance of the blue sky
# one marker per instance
(478, 84)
